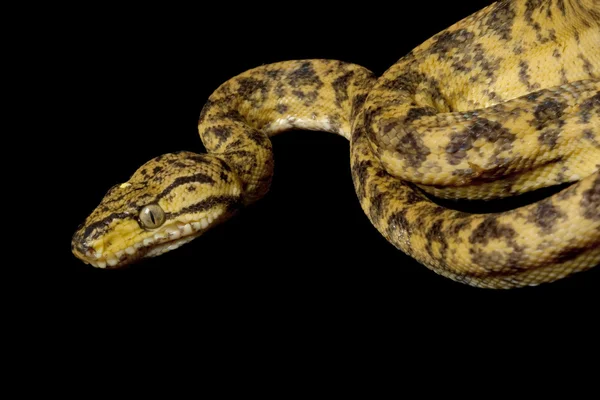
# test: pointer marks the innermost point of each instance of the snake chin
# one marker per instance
(165, 239)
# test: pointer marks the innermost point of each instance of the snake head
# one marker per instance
(167, 202)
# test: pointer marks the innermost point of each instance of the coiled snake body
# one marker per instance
(505, 101)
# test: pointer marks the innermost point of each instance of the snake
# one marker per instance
(503, 102)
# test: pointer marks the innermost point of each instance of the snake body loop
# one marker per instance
(503, 102)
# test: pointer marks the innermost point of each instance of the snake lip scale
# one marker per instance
(166, 239)
(503, 102)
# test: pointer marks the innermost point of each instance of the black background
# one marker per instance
(136, 80)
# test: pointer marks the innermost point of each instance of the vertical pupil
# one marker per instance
(152, 217)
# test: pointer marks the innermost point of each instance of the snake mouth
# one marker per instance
(169, 237)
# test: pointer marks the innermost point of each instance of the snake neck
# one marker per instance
(241, 115)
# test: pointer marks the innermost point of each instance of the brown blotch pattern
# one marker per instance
(549, 137)
(590, 201)
(417, 112)
(588, 107)
(548, 111)
(490, 229)
(410, 145)
(545, 215)
(253, 90)
(500, 20)
(524, 76)
(462, 142)
(436, 234)
(340, 86)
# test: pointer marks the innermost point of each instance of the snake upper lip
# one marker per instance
(168, 238)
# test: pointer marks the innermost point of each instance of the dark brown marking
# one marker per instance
(563, 76)
(360, 173)
(458, 226)
(569, 253)
(94, 230)
(465, 56)
(590, 200)
(407, 82)
(435, 233)
(500, 20)
(534, 96)
(588, 67)
(410, 146)
(255, 91)
(588, 134)
(447, 41)
(530, 7)
(493, 95)
(413, 197)
(200, 158)
(545, 215)
(464, 172)
(234, 145)
(502, 167)
(233, 115)
(378, 205)
(549, 111)
(490, 229)
(304, 75)
(340, 87)
(398, 223)
(595, 13)
(357, 105)
(549, 137)
(224, 165)
(221, 133)
(196, 178)
(308, 98)
(418, 112)
(205, 109)
(280, 91)
(524, 76)
(336, 124)
(179, 164)
(462, 142)
(587, 106)
(497, 262)
(259, 138)
(224, 176)
(299, 94)
(561, 6)
(274, 74)
(231, 203)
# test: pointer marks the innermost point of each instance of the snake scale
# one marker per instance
(505, 101)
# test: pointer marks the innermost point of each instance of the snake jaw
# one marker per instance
(160, 241)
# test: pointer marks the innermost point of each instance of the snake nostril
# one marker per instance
(78, 241)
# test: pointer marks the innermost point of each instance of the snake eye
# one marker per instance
(152, 216)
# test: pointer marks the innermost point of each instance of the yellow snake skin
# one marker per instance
(503, 102)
